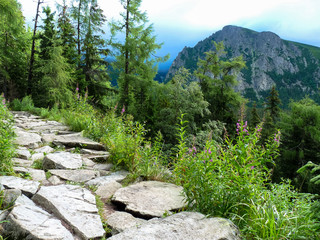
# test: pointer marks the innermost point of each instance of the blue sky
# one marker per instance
(180, 23)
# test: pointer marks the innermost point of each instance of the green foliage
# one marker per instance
(219, 178)
(135, 60)
(217, 79)
(280, 212)
(301, 139)
(13, 50)
(7, 135)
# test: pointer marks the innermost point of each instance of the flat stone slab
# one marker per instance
(181, 226)
(28, 187)
(120, 221)
(115, 176)
(35, 174)
(21, 162)
(75, 205)
(80, 175)
(44, 149)
(28, 221)
(62, 160)
(107, 190)
(76, 140)
(23, 154)
(150, 199)
(31, 140)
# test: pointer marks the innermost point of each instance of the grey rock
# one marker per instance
(115, 176)
(21, 162)
(76, 140)
(181, 226)
(93, 152)
(75, 205)
(23, 154)
(3, 215)
(37, 156)
(55, 180)
(9, 197)
(103, 166)
(28, 221)
(48, 137)
(44, 149)
(80, 175)
(35, 174)
(120, 221)
(106, 190)
(28, 187)
(62, 160)
(150, 199)
(31, 140)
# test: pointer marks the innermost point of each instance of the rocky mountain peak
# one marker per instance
(292, 67)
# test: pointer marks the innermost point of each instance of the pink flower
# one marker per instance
(252, 167)
(123, 109)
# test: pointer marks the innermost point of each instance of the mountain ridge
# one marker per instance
(293, 67)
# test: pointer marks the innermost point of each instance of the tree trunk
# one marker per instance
(33, 49)
(126, 70)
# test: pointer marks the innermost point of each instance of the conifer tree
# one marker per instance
(134, 58)
(13, 50)
(273, 104)
(217, 79)
(91, 47)
(255, 118)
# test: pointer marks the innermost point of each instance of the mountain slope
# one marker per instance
(292, 67)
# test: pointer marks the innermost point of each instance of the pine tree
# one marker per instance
(134, 58)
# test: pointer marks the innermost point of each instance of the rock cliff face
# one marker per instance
(293, 67)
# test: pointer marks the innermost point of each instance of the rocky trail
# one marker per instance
(61, 175)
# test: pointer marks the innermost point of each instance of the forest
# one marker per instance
(259, 167)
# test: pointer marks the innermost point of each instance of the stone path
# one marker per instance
(62, 173)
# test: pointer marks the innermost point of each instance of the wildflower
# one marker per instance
(123, 110)
(209, 151)
(116, 106)
(190, 150)
(211, 160)
(252, 167)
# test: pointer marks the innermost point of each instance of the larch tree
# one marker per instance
(135, 58)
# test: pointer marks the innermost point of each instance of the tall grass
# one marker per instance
(7, 135)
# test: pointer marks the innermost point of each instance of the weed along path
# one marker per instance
(65, 189)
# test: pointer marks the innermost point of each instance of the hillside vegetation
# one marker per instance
(257, 166)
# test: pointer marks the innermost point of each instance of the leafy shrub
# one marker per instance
(219, 177)
(6, 139)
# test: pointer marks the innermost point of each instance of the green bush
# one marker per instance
(7, 135)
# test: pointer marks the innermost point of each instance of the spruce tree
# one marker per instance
(273, 102)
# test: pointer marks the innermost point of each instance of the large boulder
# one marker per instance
(150, 199)
(181, 226)
(75, 205)
(28, 221)
(62, 160)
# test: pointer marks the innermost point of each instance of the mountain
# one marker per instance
(293, 67)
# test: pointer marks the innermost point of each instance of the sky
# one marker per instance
(180, 23)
